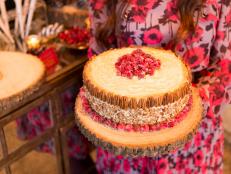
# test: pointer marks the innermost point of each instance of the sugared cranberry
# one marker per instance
(128, 127)
(152, 127)
(74, 35)
(144, 127)
(121, 126)
(171, 124)
(137, 64)
(164, 125)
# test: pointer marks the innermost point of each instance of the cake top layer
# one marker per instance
(171, 75)
(169, 82)
(19, 72)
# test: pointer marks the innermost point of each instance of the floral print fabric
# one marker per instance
(208, 53)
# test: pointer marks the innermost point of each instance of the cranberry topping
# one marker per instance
(137, 64)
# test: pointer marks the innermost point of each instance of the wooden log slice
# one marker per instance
(141, 143)
(21, 75)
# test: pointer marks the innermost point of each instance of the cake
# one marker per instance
(20, 75)
(138, 101)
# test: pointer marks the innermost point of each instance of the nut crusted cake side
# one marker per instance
(152, 115)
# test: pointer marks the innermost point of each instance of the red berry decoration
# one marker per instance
(137, 64)
(74, 35)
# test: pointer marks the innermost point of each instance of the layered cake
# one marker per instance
(138, 101)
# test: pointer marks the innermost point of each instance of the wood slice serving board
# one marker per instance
(141, 143)
(20, 75)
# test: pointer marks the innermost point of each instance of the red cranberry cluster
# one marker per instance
(137, 64)
(131, 127)
(74, 35)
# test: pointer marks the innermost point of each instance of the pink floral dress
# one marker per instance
(207, 51)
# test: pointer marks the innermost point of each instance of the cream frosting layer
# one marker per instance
(151, 115)
(171, 75)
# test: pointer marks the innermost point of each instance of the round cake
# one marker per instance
(20, 75)
(138, 101)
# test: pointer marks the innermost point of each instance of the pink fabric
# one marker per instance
(208, 53)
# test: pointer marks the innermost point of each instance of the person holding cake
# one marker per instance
(199, 32)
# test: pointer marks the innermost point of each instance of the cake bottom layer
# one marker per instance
(141, 143)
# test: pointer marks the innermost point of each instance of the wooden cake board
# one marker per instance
(141, 143)
(20, 75)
